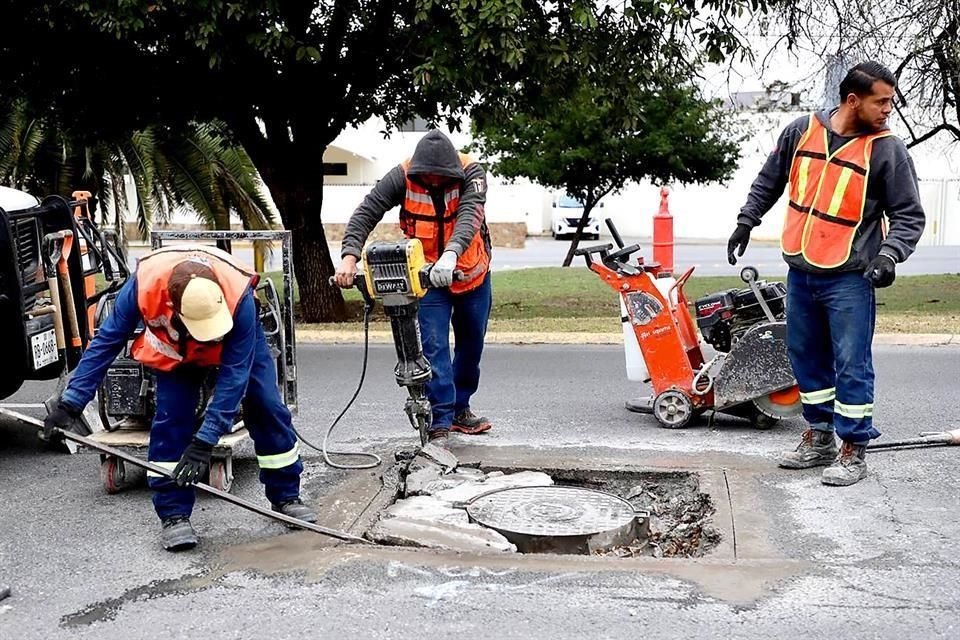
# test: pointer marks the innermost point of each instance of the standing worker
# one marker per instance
(845, 171)
(197, 308)
(441, 195)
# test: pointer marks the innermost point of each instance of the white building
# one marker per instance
(359, 157)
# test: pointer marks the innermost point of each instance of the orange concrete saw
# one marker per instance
(748, 373)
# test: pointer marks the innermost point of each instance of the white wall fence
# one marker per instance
(700, 212)
(941, 202)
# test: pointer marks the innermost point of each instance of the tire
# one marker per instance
(673, 409)
(221, 475)
(112, 474)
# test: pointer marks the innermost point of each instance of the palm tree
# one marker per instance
(197, 169)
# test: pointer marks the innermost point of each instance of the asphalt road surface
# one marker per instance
(874, 560)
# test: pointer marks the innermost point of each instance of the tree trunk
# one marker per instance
(587, 208)
(295, 179)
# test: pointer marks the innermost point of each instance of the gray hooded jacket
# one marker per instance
(436, 155)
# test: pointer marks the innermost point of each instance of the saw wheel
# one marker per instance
(776, 406)
(673, 409)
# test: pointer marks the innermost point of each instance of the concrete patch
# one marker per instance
(448, 481)
(467, 491)
(440, 456)
(439, 535)
(427, 508)
(735, 573)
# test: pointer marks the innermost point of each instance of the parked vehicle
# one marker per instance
(565, 216)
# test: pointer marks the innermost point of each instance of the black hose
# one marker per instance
(367, 310)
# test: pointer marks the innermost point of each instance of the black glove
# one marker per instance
(62, 417)
(739, 238)
(882, 271)
(193, 463)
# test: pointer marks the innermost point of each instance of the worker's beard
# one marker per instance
(866, 123)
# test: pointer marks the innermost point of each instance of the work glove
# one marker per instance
(882, 271)
(738, 239)
(62, 417)
(441, 275)
(193, 463)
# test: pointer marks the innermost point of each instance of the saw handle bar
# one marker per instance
(616, 260)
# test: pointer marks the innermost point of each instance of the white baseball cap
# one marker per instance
(202, 306)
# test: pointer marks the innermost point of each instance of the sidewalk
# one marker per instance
(341, 336)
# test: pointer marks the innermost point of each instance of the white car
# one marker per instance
(565, 216)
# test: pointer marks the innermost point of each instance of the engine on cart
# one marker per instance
(724, 316)
(127, 394)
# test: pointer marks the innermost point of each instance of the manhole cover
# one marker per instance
(558, 519)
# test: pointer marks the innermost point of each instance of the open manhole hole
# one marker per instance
(567, 511)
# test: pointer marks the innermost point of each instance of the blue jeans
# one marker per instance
(454, 382)
(266, 417)
(830, 322)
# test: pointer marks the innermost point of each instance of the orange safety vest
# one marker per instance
(828, 192)
(161, 346)
(419, 219)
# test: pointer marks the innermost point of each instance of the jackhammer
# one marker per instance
(397, 274)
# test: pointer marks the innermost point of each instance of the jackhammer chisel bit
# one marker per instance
(418, 410)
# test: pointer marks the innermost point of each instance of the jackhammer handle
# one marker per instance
(360, 282)
(458, 276)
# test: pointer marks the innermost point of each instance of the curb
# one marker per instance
(339, 336)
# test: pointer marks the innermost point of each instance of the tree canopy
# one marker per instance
(287, 77)
(919, 40)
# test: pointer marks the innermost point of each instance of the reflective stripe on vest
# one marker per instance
(160, 346)
(827, 196)
(419, 219)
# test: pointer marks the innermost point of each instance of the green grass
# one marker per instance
(565, 300)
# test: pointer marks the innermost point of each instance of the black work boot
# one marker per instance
(816, 449)
(849, 467)
(177, 534)
(296, 509)
(470, 424)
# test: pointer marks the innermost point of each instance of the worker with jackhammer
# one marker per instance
(441, 195)
(198, 311)
(845, 171)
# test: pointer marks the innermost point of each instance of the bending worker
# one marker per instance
(441, 195)
(846, 171)
(197, 308)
